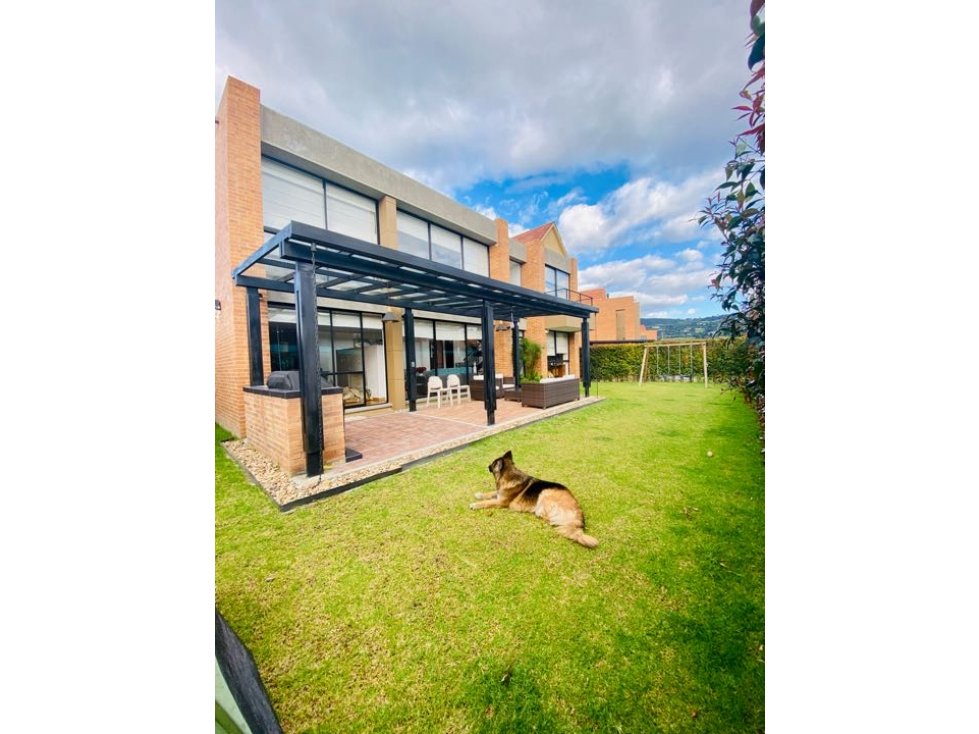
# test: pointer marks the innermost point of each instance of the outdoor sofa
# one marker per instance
(550, 391)
(477, 386)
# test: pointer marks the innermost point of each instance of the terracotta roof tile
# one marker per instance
(532, 235)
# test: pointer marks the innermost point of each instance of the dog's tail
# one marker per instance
(577, 534)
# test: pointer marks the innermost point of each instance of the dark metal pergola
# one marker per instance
(312, 262)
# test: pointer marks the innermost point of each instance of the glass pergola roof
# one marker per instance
(353, 270)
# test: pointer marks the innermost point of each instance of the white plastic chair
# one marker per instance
(455, 385)
(435, 387)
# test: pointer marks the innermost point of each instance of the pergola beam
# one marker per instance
(406, 282)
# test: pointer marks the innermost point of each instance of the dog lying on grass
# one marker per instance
(550, 501)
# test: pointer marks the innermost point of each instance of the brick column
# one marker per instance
(500, 270)
(394, 343)
(237, 233)
(533, 278)
(574, 339)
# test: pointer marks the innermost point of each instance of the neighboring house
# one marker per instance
(617, 319)
(539, 260)
(270, 170)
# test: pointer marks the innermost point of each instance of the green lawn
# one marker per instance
(394, 607)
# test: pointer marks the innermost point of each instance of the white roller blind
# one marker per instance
(446, 247)
(448, 331)
(288, 194)
(351, 214)
(476, 257)
(412, 235)
(346, 320)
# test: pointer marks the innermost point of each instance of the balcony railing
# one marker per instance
(570, 295)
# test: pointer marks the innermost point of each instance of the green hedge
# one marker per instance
(622, 362)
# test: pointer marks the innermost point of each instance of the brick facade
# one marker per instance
(275, 429)
(500, 270)
(609, 325)
(238, 232)
(274, 425)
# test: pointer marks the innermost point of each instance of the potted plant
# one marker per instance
(530, 352)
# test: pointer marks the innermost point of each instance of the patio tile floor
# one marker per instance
(390, 442)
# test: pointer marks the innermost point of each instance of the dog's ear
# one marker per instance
(508, 455)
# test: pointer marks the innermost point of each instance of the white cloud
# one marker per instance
(684, 226)
(487, 211)
(644, 207)
(461, 92)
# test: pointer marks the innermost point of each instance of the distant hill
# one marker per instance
(698, 328)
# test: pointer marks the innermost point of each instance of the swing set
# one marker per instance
(670, 367)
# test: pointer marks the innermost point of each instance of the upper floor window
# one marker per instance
(446, 247)
(557, 282)
(475, 257)
(424, 239)
(515, 272)
(351, 214)
(290, 194)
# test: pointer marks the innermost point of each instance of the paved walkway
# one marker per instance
(389, 442)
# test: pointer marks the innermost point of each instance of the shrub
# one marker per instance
(530, 352)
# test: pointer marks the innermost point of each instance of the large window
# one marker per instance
(446, 247)
(351, 214)
(475, 257)
(424, 239)
(447, 347)
(413, 236)
(557, 282)
(290, 194)
(558, 353)
(351, 351)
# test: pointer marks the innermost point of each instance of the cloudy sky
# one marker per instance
(611, 119)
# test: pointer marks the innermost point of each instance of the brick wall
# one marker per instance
(238, 231)
(500, 270)
(275, 429)
(604, 329)
(574, 340)
(394, 343)
(532, 276)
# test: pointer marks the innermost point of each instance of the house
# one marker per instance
(539, 260)
(406, 260)
(617, 319)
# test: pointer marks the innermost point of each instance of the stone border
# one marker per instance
(291, 492)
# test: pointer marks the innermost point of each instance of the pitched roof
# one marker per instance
(533, 235)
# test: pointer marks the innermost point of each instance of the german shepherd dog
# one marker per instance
(550, 501)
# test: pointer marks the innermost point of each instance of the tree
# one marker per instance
(737, 209)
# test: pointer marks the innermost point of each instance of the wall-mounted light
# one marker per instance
(217, 305)
(506, 326)
(389, 318)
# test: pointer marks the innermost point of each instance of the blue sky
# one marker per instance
(611, 119)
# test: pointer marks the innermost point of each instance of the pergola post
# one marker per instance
(585, 356)
(410, 383)
(256, 373)
(307, 333)
(489, 364)
(516, 354)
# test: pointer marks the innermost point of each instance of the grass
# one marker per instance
(394, 607)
